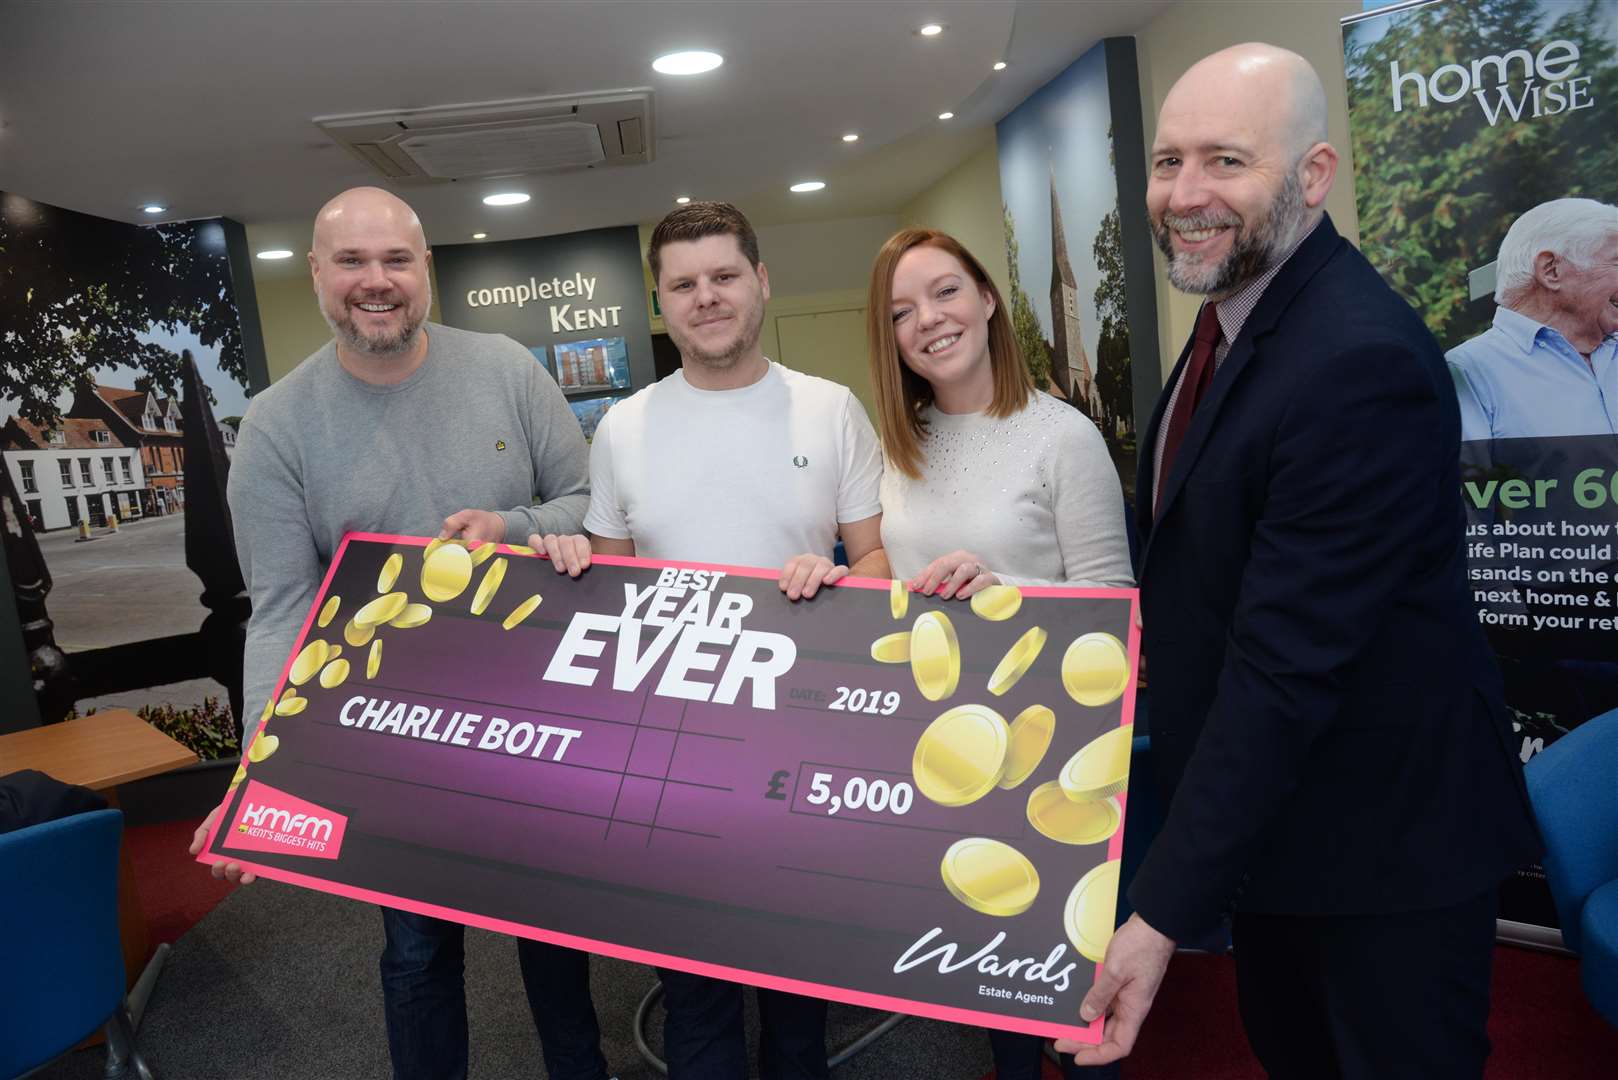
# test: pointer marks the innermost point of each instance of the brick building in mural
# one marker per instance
(151, 424)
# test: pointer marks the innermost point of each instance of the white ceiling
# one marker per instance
(207, 107)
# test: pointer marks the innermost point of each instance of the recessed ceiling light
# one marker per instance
(999, 65)
(687, 63)
(930, 30)
(506, 198)
(807, 186)
(153, 208)
(275, 253)
(851, 137)
(682, 199)
(480, 236)
(946, 116)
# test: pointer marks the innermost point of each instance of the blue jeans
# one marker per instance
(703, 1037)
(424, 1001)
(1022, 1057)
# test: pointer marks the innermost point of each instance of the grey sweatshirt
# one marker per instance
(480, 425)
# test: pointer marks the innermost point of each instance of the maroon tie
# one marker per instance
(1199, 372)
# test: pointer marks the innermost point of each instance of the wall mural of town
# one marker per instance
(98, 320)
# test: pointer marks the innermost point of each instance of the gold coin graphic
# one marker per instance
(333, 652)
(1095, 669)
(445, 573)
(380, 610)
(898, 599)
(269, 708)
(241, 774)
(1067, 822)
(328, 612)
(892, 648)
(390, 572)
(524, 609)
(488, 586)
(357, 635)
(961, 756)
(432, 546)
(997, 603)
(292, 706)
(309, 661)
(521, 549)
(484, 552)
(1018, 659)
(989, 876)
(935, 655)
(412, 616)
(374, 660)
(263, 746)
(289, 692)
(1101, 768)
(333, 674)
(1091, 908)
(1031, 735)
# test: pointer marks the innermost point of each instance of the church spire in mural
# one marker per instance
(1070, 366)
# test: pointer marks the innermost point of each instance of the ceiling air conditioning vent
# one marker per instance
(500, 138)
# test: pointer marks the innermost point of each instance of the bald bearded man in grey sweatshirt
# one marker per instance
(389, 428)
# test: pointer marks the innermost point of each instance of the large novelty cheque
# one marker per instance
(873, 796)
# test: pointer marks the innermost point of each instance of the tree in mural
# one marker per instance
(1438, 186)
(77, 293)
(1036, 351)
(1113, 378)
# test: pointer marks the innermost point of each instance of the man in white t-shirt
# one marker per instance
(737, 460)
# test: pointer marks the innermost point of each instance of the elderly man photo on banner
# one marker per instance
(393, 427)
(1327, 721)
(1548, 366)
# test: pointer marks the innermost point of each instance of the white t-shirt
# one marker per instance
(1034, 495)
(747, 477)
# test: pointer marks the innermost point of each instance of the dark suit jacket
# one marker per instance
(1326, 714)
(30, 797)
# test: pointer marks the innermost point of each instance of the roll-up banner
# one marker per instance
(1486, 180)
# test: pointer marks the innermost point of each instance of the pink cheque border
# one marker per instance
(1090, 1033)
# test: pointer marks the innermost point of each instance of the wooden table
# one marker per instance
(100, 752)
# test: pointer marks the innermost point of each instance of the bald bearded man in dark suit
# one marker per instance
(1326, 715)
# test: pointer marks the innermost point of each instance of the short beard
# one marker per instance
(384, 344)
(745, 342)
(1258, 244)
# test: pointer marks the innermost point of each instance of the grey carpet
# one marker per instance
(280, 982)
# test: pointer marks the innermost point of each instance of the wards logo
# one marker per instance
(1517, 86)
(272, 820)
(500, 444)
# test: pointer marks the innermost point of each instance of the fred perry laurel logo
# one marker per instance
(500, 445)
(801, 462)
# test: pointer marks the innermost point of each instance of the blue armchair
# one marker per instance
(59, 935)
(1574, 787)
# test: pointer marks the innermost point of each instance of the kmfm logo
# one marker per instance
(269, 817)
(1517, 85)
(272, 820)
